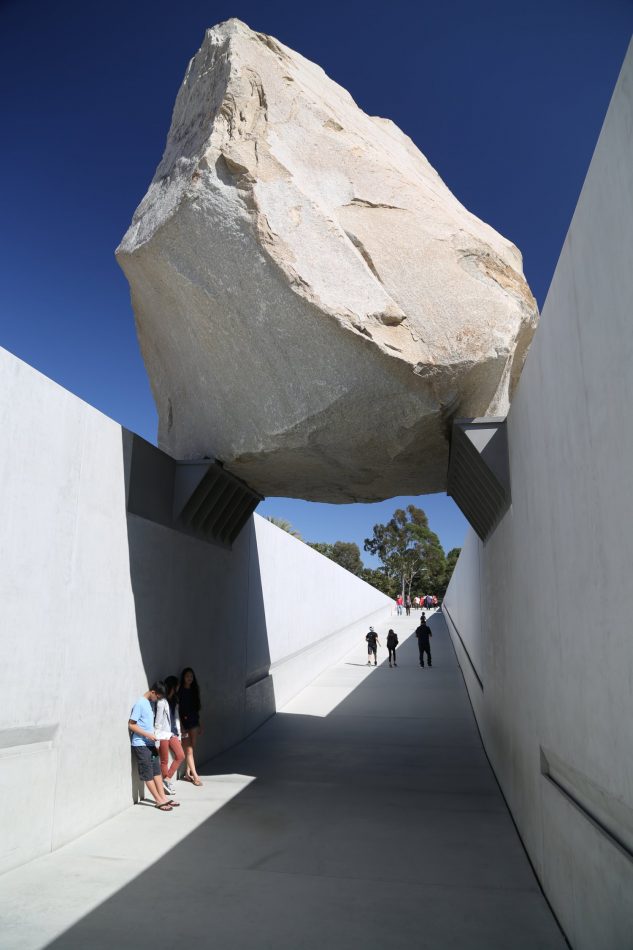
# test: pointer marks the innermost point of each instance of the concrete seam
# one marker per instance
(516, 827)
(448, 614)
(576, 801)
(70, 615)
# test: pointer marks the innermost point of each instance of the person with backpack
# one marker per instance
(372, 646)
(392, 643)
(424, 646)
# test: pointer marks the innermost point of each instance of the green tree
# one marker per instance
(410, 552)
(322, 547)
(451, 561)
(344, 553)
(378, 578)
(347, 554)
(285, 526)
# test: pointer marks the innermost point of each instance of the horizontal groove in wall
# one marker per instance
(26, 740)
(464, 647)
(611, 817)
(256, 678)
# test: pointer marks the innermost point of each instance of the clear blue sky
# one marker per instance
(505, 98)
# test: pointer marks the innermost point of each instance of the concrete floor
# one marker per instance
(363, 815)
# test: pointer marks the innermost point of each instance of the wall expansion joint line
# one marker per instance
(611, 817)
(472, 665)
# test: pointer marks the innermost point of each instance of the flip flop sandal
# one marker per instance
(198, 782)
(187, 778)
(164, 807)
(173, 803)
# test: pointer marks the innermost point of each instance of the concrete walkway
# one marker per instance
(364, 815)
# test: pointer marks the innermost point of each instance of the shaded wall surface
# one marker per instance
(542, 610)
(96, 601)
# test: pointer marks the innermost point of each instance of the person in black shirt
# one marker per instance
(392, 643)
(372, 646)
(189, 703)
(423, 633)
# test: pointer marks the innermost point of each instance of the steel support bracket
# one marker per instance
(479, 472)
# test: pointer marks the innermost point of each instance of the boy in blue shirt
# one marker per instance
(141, 726)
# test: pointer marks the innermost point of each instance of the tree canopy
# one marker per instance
(451, 561)
(285, 526)
(412, 557)
(410, 552)
(344, 553)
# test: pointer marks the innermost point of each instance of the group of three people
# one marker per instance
(163, 716)
(422, 633)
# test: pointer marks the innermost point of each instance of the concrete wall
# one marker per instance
(552, 641)
(95, 601)
(463, 606)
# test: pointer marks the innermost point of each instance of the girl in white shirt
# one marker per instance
(167, 732)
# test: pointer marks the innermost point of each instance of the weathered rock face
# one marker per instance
(313, 304)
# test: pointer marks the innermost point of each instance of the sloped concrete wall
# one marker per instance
(95, 601)
(554, 641)
(463, 604)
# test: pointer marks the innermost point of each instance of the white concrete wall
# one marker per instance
(302, 604)
(462, 603)
(555, 641)
(94, 602)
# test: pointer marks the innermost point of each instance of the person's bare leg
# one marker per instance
(178, 757)
(154, 787)
(191, 762)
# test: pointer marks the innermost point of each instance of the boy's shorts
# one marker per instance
(148, 764)
(371, 649)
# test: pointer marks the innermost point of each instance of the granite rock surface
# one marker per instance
(313, 304)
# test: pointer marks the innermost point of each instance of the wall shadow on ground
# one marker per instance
(350, 819)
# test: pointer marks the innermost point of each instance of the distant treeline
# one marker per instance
(412, 558)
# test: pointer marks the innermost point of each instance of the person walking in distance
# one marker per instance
(424, 646)
(372, 646)
(392, 643)
(399, 605)
(407, 605)
(189, 704)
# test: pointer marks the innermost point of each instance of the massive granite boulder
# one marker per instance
(313, 304)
